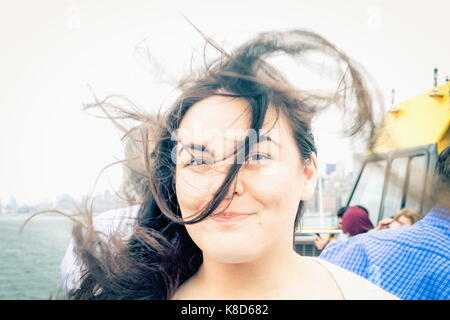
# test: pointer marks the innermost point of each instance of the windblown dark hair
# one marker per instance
(341, 211)
(160, 255)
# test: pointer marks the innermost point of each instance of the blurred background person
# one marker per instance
(412, 263)
(356, 221)
(404, 217)
(340, 215)
(321, 242)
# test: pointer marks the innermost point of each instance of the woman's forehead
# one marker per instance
(224, 117)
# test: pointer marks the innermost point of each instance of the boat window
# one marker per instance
(416, 184)
(369, 189)
(394, 192)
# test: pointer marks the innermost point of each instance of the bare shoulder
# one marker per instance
(315, 283)
(353, 286)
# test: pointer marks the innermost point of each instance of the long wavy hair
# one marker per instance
(160, 255)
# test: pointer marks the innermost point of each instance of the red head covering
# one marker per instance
(356, 221)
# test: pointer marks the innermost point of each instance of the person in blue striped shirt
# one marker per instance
(412, 263)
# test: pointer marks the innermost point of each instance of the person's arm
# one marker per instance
(384, 224)
(320, 242)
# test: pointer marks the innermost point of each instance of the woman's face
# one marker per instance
(267, 189)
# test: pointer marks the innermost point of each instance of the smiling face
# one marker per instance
(268, 187)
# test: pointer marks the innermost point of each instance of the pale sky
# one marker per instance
(52, 49)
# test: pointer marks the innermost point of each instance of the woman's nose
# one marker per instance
(236, 187)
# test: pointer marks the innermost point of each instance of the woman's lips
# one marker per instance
(230, 216)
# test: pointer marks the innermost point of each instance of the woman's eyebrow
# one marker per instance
(193, 146)
(262, 138)
(203, 148)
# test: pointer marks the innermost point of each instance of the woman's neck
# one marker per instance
(270, 277)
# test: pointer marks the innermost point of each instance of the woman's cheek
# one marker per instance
(193, 191)
(274, 183)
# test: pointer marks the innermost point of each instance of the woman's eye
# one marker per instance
(260, 156)
(196, 162)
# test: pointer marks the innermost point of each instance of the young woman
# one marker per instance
(234, 161)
